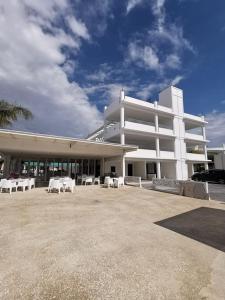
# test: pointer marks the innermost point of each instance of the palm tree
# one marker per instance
(10, 113)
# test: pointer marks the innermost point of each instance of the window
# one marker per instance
(113, 169)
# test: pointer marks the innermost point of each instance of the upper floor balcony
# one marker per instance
(138, 126)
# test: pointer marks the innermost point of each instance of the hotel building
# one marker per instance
(138, 138)
(170, 142)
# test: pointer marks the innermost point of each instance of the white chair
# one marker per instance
(31, 183)
(108, 182)
(55, 184)
(69, 184)
(88, 180)
(23, 184)
(8, 185)
(96, 180)
(118, 182)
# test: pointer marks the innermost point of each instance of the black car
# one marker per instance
(210, 175)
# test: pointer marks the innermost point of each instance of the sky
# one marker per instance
(67, 59)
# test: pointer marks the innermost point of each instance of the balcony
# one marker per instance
(195, 157)
(112, 130)
(141, 154)
(140, 126)
(167, 154)
(193, 136)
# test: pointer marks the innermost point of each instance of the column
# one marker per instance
(6, 168)
(158, 169)
(156, 123)
(123, 167)
(157, 147)
(203, 133)
(102, 167)
(122, 136)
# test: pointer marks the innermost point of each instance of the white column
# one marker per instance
(122, 136)
(123, 170)
(203, 133)
(158, 169)
(157, 147)
(156, 123)
(206, 166)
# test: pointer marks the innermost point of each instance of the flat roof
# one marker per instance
(20, 142)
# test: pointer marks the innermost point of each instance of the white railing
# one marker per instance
(167, 154)
(112, 130)
(192, 136)
(139, 127)
(141, 153)
(195, 156)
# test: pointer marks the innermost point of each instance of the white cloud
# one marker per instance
(162, 35)
(147, 90)
(33, 67)
(78, 27)
(145, 56)
(215, 128)
(132, 3)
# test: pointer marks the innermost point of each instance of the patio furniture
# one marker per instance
(118, 182)
(96, 180)
(68, 184)
(88, 180)
(31, 183)
(8, 185)
(55, 184)
(108, 182)
(23, 184)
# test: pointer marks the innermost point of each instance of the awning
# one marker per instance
(24, 143)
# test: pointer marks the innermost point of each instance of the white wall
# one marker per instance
(115, 163)
(168, 169)
(139, 169)
(219, 161)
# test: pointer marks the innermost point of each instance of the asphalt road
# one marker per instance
(217, 191)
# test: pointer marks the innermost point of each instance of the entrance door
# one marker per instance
(130, 169)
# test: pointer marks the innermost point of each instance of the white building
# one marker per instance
(217, 157)
(170, 142)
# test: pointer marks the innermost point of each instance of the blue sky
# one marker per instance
(66, 60)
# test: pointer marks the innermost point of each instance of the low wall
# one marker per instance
(192, 189)
(132, 180)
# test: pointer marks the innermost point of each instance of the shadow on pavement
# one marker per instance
(205, 225)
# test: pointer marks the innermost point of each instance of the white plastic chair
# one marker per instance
(23, 183)
(8, 185)
(69, 184)
(108, 182)
(118, 182)
(55, 184)
(88, 180)
(96, 180)
(31, 183)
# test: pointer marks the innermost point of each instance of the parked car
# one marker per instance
(210, 175)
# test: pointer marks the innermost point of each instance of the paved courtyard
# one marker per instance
(98, 243)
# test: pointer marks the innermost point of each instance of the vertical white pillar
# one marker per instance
(123, 170)
(122, 136)
(157, 147)
(156, 123)
(203, 133)
(158, 169)
(206, 166)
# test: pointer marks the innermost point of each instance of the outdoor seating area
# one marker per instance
(19, 184)
(58, 184)
(113, 182)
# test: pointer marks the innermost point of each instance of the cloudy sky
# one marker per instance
(66, 59)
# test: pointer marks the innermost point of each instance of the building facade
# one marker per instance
(217, 157)
(170, 142)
